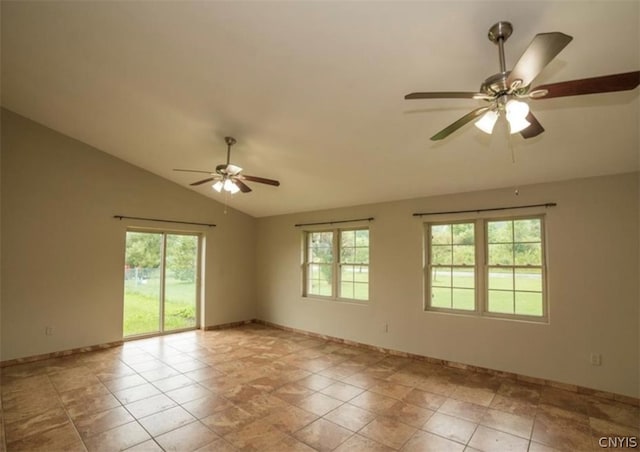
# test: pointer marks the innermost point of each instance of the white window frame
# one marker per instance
(429, 267)
(481, 243)
(199, 278)
(336, 265)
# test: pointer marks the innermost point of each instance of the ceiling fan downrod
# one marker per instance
(230, 142)
(498, 34)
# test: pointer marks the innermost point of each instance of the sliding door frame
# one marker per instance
(198, 281)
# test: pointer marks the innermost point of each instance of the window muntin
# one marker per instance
(320, 263)
(343, 277)
(452, 266)
(354, 264)
(514, 267)
(511, 283)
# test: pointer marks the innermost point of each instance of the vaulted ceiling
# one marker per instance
(313, 92)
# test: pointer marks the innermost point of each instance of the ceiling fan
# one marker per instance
(504, 90)
(228, 177)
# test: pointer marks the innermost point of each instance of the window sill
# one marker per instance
(490, 316)
(336, 300)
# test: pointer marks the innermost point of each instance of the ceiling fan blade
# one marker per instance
(534, 129)
(543, 49)
(203, 181)
(604, 84)
(261, 180)
(442, 95)
(244, 188)
(459, 123)
(194, 171)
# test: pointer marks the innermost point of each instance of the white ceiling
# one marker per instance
(313, 92)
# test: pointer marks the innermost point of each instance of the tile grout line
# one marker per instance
(102, 382)
(3, 437)
(66, 412)
(610, 396)
(197, 420)
(135, 419)
(258, 358)
(456, 365)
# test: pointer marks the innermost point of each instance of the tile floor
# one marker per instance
(260, 388)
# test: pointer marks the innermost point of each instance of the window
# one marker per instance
(354, 264)
(336, 264)
(487, 267)
(453, 266)
(514, 259)
(320, 263)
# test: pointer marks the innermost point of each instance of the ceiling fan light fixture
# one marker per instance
(226, 185)
(487, 121)
(516, 109)
(517, 124)
(516, 112)
(230, 186)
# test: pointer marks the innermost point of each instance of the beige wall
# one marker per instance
(63, 253)
(592, 238)
(62, 258)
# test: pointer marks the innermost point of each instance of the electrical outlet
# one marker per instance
(48, 331)
(596, 359)
(386, 327)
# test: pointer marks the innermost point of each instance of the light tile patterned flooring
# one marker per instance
(260, 388)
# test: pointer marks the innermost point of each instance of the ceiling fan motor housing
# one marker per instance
(495, 84)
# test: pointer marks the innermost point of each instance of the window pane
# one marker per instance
(441, 234)
(500, 231)
(441, 255)
(360, 291)
(321, 254)
(440, 297)
(528, 303)
(324, 288)
(361, 255)
(142, 283)
(347, 255)
(463, 234)
(313, 271)
(319, 279)
(463, 299)
(362, 237)
(361, 273)
(501, 254)
(527, 230)
(464, 278)
(346, 290)
(348, 238)
(528, 253)
(354, 247)
(464, 255)
(180, 291)
(501, 278)
(441, 277)
(529, 279)
(500, 302)
(346, 273)
(320, 247)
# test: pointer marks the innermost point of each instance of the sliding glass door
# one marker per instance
(161, 284)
